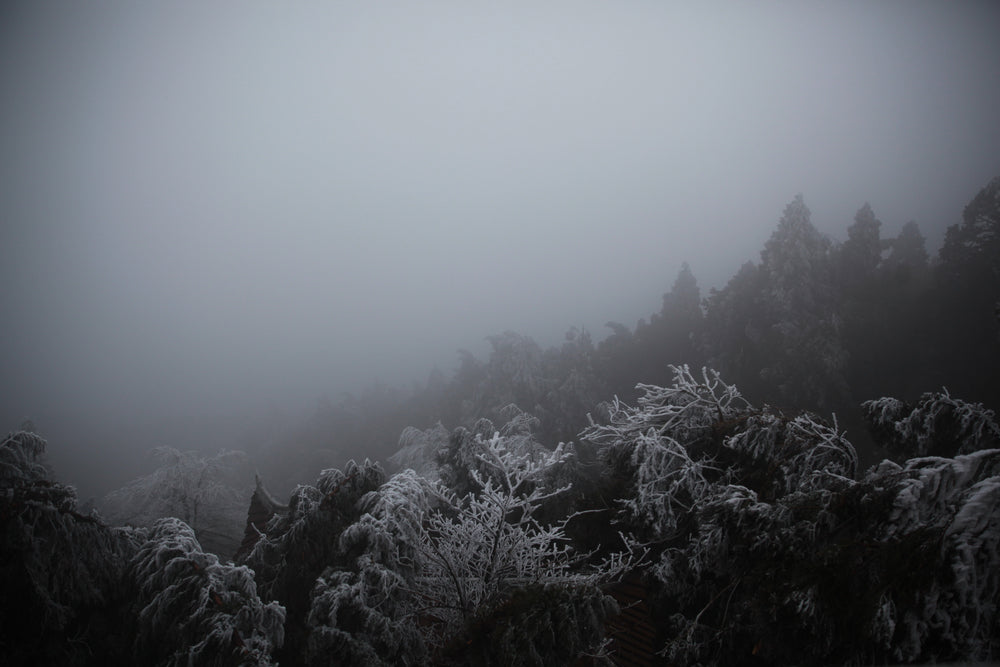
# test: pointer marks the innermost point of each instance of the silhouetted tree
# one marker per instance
(734, 329)
(800, 320)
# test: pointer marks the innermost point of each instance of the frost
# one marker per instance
(938, 425)
(760, 524)
(207, 493)
(19, 454)
(483, 545)
(192, 609)
(419, 450)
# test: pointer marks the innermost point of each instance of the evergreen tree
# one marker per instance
(907, 258)
(672, 335)
(963, 323)
(801, 324)
(862, 301)
(733, 339)
(861, 254)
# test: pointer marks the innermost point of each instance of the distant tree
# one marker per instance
(969, 255)
(733, 338)
(907, 258)
(801, 328)
(575, 387)
(860, 256)
(966, 335)
(616, 359)
(514, 372)
(673, 335)
(862, 297)
(419, 450)
(210, 494)
(683, 301)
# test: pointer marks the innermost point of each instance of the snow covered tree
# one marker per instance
(303, 543)
(194, 610)
(63, 573)
(766, 544)
(210, 494)
(489, 541)
(475, 551)
(938, 425)
(649, 445)
(80, 592)
(359, 609)
(419, 450)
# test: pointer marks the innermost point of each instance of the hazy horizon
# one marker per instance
(229, 208)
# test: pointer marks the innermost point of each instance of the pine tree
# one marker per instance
(805, 356)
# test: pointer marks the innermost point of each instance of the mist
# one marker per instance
(215, 215)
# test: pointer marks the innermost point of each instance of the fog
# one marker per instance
(217, 212)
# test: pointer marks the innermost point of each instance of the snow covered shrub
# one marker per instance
(63, 574)
(194, 610)
(938, 425)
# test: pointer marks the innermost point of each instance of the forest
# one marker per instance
(802, 467)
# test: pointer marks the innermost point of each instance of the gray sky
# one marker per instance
(206, 206)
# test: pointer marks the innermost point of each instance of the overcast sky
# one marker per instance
(211, 205)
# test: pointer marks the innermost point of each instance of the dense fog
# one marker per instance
(214, 215)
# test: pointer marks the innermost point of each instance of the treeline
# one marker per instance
(712, 532)
(814, 324)
(691, 522)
